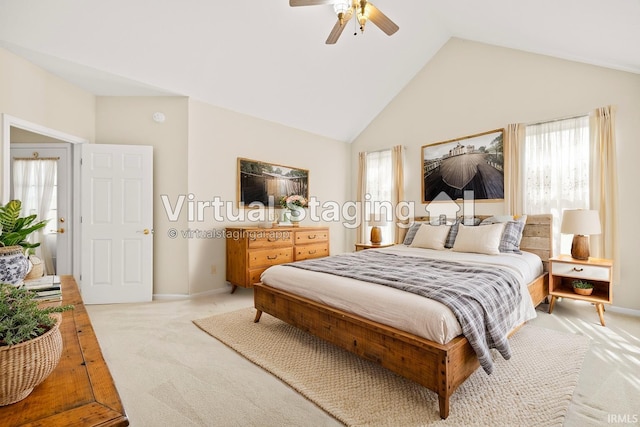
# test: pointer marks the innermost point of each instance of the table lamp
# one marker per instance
(376, 221)
(580, 223)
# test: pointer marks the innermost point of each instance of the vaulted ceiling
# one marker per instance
(269, 60)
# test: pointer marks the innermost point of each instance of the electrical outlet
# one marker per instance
(214, 269)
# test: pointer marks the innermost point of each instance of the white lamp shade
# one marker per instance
(581, 222)
(376, 220)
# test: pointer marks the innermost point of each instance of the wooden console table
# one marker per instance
(80, 391)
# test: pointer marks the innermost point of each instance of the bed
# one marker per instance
(440, 359)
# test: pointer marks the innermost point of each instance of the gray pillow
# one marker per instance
(411, 233)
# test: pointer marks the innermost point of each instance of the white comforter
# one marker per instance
(403, 310)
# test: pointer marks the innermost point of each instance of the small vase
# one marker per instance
(285, 217)
(297, 214)
(14, 265)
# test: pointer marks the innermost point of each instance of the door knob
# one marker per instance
(60, 230)
(145, 231)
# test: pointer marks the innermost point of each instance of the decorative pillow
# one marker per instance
(512, 234)
(411, 232)
(511, 237)
(453, 232)
(451, 238)
(431, 237)
(482, 240)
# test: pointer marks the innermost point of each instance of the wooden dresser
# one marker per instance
(251, 250)
(80, 390)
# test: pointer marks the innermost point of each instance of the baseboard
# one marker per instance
(622, 310)
(165, 297)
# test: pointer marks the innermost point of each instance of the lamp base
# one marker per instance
(580, 247)
(376, 235)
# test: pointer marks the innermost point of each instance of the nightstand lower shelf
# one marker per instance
(595, 271)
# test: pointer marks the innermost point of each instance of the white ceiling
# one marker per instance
(268, 60)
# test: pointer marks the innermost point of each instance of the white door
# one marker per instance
(59, 230)
(116, 223)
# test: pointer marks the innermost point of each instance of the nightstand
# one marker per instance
(564, 270)
(363, 246)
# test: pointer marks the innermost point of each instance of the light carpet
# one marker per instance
(534, 387)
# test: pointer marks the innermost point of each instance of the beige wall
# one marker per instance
(217, 137)
(128, 120)
(29, 93)
(471, 87)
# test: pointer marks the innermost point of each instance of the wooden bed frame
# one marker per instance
(438, 367)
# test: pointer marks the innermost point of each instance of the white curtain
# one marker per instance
(380, 188)
(556, 175)
(34, 183)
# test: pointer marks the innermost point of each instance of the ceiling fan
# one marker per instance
(345, 9)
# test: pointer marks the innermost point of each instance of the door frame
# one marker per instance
(8, 122)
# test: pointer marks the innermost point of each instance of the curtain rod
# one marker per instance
(558, 119)
(36, 158)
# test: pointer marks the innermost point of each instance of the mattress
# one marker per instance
(403, 310)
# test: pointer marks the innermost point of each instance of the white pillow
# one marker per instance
(483, 239)
(431, 237)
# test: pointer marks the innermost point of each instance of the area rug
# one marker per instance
(534, 387)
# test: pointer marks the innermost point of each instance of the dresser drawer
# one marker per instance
(254, 274)
(580, 271)
(311, 251)
(267, 257)
(269, 238)
(311, 236)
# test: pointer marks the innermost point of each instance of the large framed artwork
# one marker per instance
(264, 183)
(474, 162)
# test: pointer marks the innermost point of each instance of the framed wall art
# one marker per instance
(258, 181)
(474, 162)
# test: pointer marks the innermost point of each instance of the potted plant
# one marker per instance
(30, 342)
(582, 287)
(15, 229)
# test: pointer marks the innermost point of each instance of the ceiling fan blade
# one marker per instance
(381, 20)
(294, 3)
(339, 27)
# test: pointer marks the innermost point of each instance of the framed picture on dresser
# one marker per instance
(474, 162)
(260, 183)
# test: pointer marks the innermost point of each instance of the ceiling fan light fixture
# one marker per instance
(363, 16)
(341, 6)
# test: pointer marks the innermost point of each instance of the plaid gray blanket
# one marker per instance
(481, 297)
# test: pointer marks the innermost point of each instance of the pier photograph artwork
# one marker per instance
(473, 162)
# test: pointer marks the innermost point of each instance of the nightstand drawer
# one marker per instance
(580, 271)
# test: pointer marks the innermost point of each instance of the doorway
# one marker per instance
(11, 124)
(41, 178)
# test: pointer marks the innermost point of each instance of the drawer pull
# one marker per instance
(312, 252)
(272, 258)
(270, 239)
(578, 269)
(311, 237)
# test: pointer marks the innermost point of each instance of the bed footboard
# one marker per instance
(440, 368)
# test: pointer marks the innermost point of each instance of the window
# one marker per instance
(556, 171)
(380, 188)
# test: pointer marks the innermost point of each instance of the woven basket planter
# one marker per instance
(23, 366)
